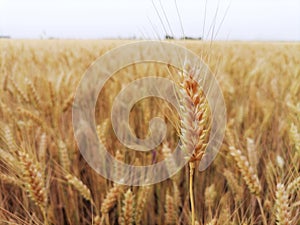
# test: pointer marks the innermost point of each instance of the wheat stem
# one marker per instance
(262, 211)
(192, 168)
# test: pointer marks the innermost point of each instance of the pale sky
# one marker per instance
(244, 20)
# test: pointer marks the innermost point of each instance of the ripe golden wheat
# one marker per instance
(253, 180)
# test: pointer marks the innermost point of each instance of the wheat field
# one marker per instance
(45, 180)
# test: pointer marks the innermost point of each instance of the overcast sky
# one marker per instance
(243, 19)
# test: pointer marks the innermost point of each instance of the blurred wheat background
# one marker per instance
(44, 179)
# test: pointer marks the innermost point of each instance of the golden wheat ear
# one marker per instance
(128, 208)
(33, 180)
(248, 174)
(111, 198)
(142, 198)
(194, 115)
(283, 215)
(293, 186)
(234, 186)
(170, 210)
(80, 186)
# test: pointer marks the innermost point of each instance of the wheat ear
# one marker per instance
(141, 202)
(68, 102)
(127, 209)
(10, 180)
(293, 186)
(249, 176)
(22, 95)
(119, 173)
(63, 155)
(194, 116)
(9, 138)
(8, 158)
(111, 198)
(80, 187)
(295, 136)
(171, 212)
(31, 116)
(233, 185)
(33, 94)
(210, 195)
(34, 180)
(282, 206)
(42, 148)
(52, 94)
(170, 163)
(246, 170)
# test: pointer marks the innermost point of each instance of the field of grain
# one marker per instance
(45, 180)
